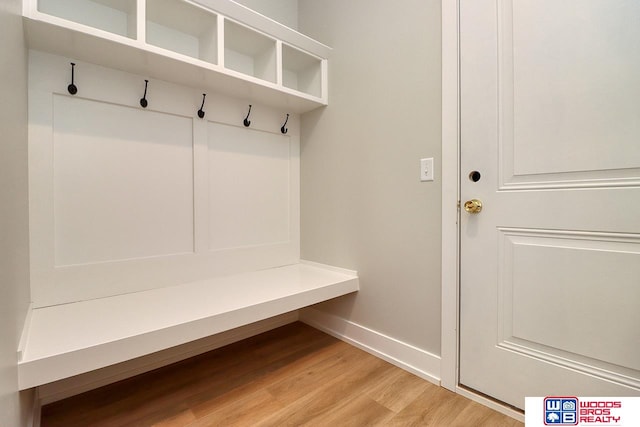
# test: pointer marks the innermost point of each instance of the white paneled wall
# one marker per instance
(249, 187)
(125, 198)
(123, 182)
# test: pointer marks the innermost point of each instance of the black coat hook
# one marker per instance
(201, 111)
(143, 100)
(247, 122)
(283, 129)
(72, 88)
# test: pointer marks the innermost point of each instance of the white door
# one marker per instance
(550, 268)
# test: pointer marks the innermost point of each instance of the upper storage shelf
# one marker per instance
(208, 44)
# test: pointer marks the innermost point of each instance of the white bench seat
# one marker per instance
(66, 340)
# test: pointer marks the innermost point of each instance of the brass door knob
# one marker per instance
(473, 206)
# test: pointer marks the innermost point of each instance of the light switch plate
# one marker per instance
(426, 169)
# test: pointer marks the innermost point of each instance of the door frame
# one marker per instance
(450, 264)
(450, 192)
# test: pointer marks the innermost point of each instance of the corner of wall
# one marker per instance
(405, 356)
(15, 409)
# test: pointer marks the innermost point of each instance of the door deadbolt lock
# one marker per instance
(473, 206)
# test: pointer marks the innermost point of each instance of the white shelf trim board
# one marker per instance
(71, 339)
(243, 14)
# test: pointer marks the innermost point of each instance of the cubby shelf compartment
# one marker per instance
(66, 340)
(114, 16)
(212, 45)
(249, 52)
(183, 28)
(301, 71)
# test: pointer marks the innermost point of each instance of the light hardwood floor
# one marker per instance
(291, 376)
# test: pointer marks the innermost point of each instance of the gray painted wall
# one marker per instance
(363, 206)
(283, 11)
(14, 241)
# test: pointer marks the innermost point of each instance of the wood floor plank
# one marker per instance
(478, 415)
(323, 357)
(325, 372)
(420, 411)
(357, 412)
(253, 374)
(500, 420)
(240, 412)
(437, 406)
(180, 420)
(291, 376)
(334, 393)
(397, 389)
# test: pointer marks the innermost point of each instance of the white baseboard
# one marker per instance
(405, 356)
(68, 387)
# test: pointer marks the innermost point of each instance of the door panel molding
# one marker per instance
(596, 368)
(538, 168)
(527, 320)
